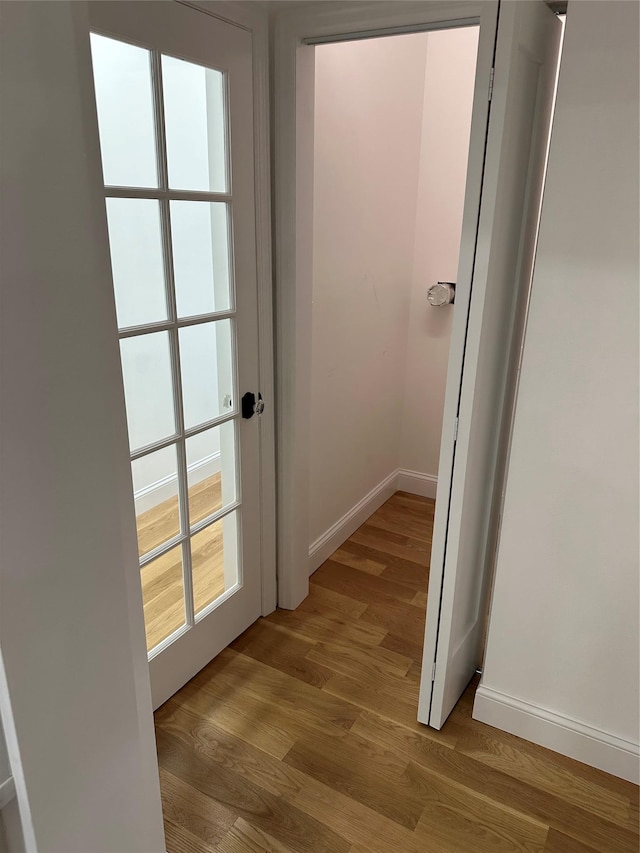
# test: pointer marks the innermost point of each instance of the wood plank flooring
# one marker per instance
(162, 589)
(302, 736)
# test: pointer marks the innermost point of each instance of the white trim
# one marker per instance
(262, 160)
(8, 729)
(416, 483)
(399, 480)
(7, 792)
(241, 13)
(558, 732)
(161, 490)
(339, 532)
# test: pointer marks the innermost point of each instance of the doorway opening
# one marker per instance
(392, 125)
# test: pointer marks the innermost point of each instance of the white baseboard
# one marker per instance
(559, 733)
(155, 493)
(415, 483)
(339, 532)
(399, 480)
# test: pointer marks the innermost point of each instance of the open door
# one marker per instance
(496, 258)
(174, 97)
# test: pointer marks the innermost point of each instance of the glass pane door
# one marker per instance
(164, 130)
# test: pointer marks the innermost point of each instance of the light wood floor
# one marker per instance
(302, 736)
(162, 591)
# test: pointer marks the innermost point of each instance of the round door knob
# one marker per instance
(442, 293)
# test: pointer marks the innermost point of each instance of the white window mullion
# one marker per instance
(178, 195)
(162, 549)
(188, 433)
(166, 325)
(183, 486)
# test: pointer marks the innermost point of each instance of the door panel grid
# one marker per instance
(218, 329)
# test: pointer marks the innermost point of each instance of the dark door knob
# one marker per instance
(248, 405)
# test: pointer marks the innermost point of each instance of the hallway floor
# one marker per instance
(302, 735)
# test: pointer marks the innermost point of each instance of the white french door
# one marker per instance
(174, 101)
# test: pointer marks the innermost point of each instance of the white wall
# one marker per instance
(562, 662)
(389, 189)
(71, 623)
(367, 146)
(446, 125)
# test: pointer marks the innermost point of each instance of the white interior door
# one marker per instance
(494, 270)
(175, 113)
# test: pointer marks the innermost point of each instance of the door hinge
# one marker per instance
(491, 76)
(455, 430)
(433, 672)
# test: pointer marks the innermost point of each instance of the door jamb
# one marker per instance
(293, 223)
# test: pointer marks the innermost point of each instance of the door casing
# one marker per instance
(294, 84)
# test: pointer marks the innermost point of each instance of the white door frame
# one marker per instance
(250, 16)
(293, 173)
